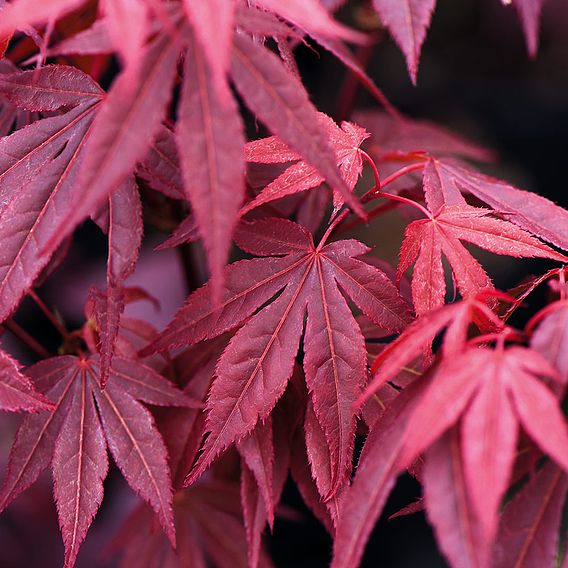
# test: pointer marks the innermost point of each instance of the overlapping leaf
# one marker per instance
(362, 503)
(551, 338)
(73, 439)
(530, 527)
(255, 368)
(38, 171)
(209, 528)
(494, 392)
(346, 142)
(125, 236)
(427, 240)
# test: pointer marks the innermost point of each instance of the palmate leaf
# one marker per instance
(211, 157)
(529, 211)
(209, 528)
(427, 240)
(494, 392)
(74, 441)
(255, 368)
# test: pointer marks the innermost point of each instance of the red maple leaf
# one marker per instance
(73, 437)
(255, 368)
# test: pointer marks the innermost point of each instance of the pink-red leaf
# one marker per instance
(362, 503)
(33, 447)
(49, 88)
(334, 365)
(528, 210)
(160, 169)
(124, 128)
(551, 339)
(212, 24)
(253, 372)
(310, 15)
(489, 434)
(529, 12)
(44, 158)
(428, 239)
(210, 140)
(257, 450)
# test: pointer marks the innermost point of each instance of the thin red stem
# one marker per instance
(374, 168)
(49, 315)
(402, 172)
(19, 332)
(375, 192)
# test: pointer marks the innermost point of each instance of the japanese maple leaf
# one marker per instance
(254, 369)
(493, 392)
(362, 503)
(73, 437)
(17, 392)
(444, 181)
(427, 240)
(209, 131)
(346, 142)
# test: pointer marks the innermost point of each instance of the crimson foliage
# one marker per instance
(288, 353)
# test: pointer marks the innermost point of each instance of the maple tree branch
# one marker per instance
(19, 332)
